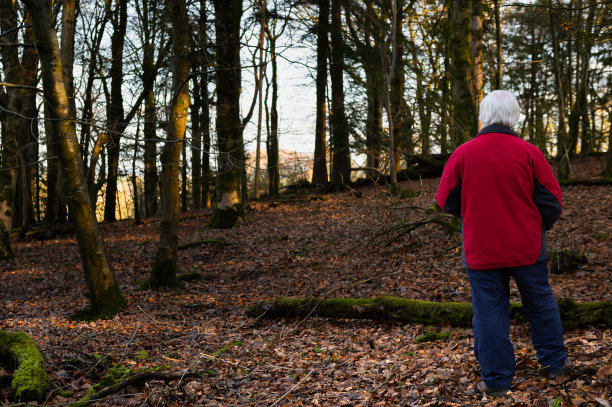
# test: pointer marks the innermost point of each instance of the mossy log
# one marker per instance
(587, 182)
(574, 315)
(19, 351)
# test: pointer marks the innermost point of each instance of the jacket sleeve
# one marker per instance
(449, 192)
(547, 192)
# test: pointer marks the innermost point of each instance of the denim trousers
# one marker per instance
(491, 322)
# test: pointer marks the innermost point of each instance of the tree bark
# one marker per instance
(164, 269)
(341, 160)
(229, 127)
(573, 315)
(477, 55)
(205, 116)
(104, 294)
(13, 126)
(115, 113)
(69, 8)
(465, 118)
(272, 142)
(196, 138)
(319, 168)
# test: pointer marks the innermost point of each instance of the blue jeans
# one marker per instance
(491, 322)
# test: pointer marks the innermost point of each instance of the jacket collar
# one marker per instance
(497, 128)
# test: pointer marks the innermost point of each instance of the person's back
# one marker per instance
(506, 195)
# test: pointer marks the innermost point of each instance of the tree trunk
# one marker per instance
(341, 160)
(115, 113)
(573, 315)
(164, 269)
(196, 139)
(205, 116)
(477, 54)
(69, 10)
(150, 114)
(319, 168)
(498, 46)
(229, 127)
(105, 297)
(272, 142)
(262, 31)
(13, 126)
(465, 119)
(562, 138)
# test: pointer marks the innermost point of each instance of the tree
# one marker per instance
(104, 293)
(164, 269)
(465, 119)
(341, 159)
(229, 127)
(319, 169)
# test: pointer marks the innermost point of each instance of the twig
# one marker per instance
(291, 389)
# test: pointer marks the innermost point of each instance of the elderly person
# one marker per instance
(504, 191)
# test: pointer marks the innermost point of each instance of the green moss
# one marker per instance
(142, 355)
(226, 218)
(115, 375)
(227, 347)
(573, 315)
(432, 336)
(30, 380)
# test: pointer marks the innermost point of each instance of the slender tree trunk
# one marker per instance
(164, 269)
(184, 189)
(196, 139)
(562, 139)
(389, 76)
(115, 114)
(374, 120)
(262, 31)
(319, 169)
(69, 10)
(105, 297)
(498, 46)
(229, 127)
(477, 53)
(272, 143)
(205, 116)
(341, 160)
(135, 178)
(150, 117)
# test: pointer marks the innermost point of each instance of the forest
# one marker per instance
(226, 203)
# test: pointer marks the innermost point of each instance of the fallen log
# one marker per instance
(586, 182)
(19, 351)
(574, 315)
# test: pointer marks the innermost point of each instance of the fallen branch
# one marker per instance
(574, 315)
(30, 381)
(587, 182)
(138, 380)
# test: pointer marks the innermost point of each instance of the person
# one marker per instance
(504, 191)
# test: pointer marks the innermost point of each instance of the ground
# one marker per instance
(315, 245)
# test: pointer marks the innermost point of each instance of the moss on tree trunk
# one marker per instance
(30, 381)
(226, 218)
(573, 315)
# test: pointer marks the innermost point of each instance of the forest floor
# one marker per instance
(311, 245)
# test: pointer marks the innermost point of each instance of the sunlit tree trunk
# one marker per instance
(69, 12)
(105, 297)
(262, 32)
(164, 269)
(477, 54)
(205, 116)
(229, 127)
(341, 160)
(319, 169)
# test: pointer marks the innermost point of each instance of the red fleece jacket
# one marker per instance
(506, 195)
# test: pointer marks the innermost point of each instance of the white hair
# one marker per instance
(499, 107)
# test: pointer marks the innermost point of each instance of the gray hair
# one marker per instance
(499, 107)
